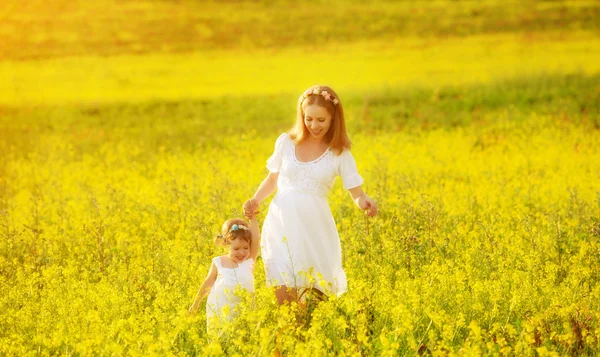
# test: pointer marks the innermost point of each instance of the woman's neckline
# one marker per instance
(311, 161)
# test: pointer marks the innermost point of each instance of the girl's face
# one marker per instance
(239, 250)
(317, 120)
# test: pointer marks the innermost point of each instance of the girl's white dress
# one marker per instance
(222, 293)
(300, 243)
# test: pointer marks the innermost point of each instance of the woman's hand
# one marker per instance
(363, 201)
(251, 208)
(366, 203)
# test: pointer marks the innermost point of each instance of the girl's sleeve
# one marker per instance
(348, 171)
(274, 162)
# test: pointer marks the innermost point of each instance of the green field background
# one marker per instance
(130, 130)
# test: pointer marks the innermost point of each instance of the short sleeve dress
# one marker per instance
(300, 243)
(222, 294)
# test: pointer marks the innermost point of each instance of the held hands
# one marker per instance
(366, 203)
(251, 208)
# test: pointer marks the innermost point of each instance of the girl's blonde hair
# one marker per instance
(228, 234)
(336, 137)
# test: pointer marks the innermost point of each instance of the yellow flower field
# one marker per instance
(122, 153)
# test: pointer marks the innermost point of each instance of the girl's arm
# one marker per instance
(363, 201)
(211, 277)
(254, 246)
(266, 188)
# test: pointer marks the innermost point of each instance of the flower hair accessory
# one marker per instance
(325, 94)
(237, 227)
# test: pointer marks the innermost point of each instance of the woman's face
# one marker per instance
(317, 120)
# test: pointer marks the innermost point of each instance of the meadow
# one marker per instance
(123, 149)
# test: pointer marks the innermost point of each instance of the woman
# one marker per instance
(300, 242)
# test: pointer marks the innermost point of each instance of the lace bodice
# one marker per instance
(317, 176)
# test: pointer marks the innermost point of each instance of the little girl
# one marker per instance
(232, 270)
(299, 233)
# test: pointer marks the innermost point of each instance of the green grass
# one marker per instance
(42, 29)
(192, 124)
(362, 66)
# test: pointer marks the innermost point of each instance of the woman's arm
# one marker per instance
(254, 246)
(266, 188)
(363, 201)
(211, 277)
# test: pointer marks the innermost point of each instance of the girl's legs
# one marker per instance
(285, 294)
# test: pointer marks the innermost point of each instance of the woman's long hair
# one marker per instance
(336, 136)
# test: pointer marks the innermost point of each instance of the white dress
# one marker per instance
(299, 236)
(222, 297)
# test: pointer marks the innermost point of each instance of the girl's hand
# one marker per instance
(366, 203)
(251, 208)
